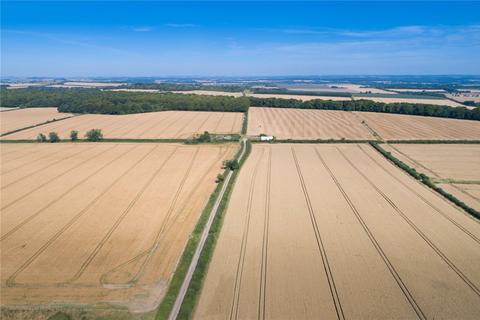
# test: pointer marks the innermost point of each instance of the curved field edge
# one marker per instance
(426, 181)
(196, 283)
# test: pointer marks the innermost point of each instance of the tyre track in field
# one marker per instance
(414, 227)
(266, 223)
(241, 259)
(431, 205)
(11, 280)
(374, 242)
(38, 212)
(204, 121)
(169, 125)
(119, 220)
(103, 277)
(23, 154)
(415, 161)
(34, 160)
(180, 131)
(56, 177)
(154, 125)
(41, 169)
(219, 121)
(234, 122)
(320, 244)
(465, 192)
(167, 217)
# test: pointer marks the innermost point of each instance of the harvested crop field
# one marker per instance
(95, 223)
(22, 118)
(336, 231)
(211, 93)
(407, 127)
(300, 124)
(440, 102)
(152, 125)
(454, 167)
(297, 97)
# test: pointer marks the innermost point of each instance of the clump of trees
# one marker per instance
(371, 106)
(74, 135)
(231, 164)
(114, 102)
(41, 138)
(94, 135)
(53, 137)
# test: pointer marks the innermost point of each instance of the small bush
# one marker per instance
(220, 178)
(41, 137)
(94, 135)
(231, 164)
(53, 137)
(74, 135)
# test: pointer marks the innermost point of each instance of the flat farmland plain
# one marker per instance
(337, 232)
(455, 167)
(152, 125)
(297, 96)
(286, 123)
(22, 118)
(99, 223)
(393, 99)
(406, 127)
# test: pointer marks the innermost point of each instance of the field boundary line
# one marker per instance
(11, 280)
(422, 197)
(320, 245)
(415, 161)
(460, 205)
(266, 225)
(56, 177)
(375, 243)
(414, 227)
(36, 125)
(119, 219)
(243, 245)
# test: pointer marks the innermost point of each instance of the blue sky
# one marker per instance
(67, 38)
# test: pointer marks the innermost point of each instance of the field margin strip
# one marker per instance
(165, 307)
(425, 180)
(35, 125)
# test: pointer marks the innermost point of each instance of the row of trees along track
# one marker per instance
(115, 102)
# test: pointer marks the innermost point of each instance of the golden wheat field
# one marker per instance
(286, 123)
(22, 118)
(454, 167)
(393, 99)
(337, 232)
(297, 96)
(406, 127)
(99, 223)
(151, 125)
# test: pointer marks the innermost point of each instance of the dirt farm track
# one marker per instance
(349, 236)
(93, 223)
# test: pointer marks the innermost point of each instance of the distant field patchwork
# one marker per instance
(99, 223)
(337, 232)
(152, 125)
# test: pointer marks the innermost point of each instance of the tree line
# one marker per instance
(114, 102)
(419, 109)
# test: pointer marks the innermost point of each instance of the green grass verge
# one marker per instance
(434, 141)
(425, 180)
(103, 140)
(176, 282)
(315, 141)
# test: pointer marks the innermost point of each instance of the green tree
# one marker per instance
(74, 135)
(94, 135)
(231, 164)
(41, 138)
(53, 137)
